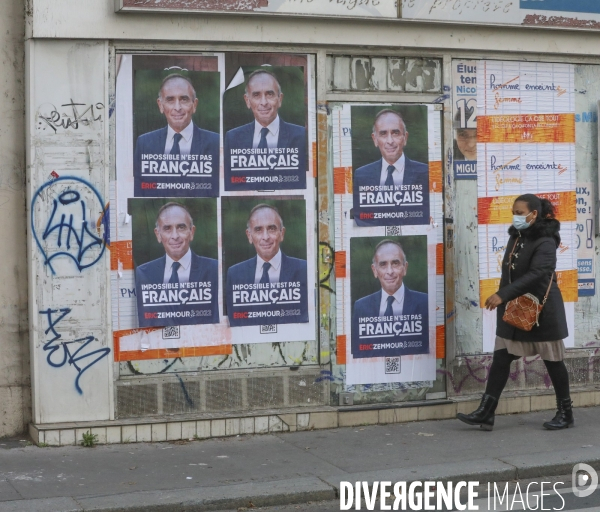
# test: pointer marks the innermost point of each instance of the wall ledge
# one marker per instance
(182, 428)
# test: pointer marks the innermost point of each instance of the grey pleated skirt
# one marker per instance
(548, 350)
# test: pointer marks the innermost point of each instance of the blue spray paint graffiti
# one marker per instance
(188, 399)
(325, 375)
(54, 316)
(68, 228)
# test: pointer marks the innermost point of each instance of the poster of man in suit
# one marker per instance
(390, 313)
(264, 247)
(390, 169)
(175, 256)
(265, 120)
(176, 125)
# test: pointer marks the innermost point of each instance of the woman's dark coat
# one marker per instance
(532, 265)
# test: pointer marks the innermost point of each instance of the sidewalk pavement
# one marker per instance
(285, 468)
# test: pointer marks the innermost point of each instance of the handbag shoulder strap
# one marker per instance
(510, 256)
(548, 290)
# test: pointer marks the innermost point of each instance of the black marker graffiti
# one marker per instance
(73, 118)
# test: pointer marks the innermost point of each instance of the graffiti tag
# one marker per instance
(69, 230)
(76, 115)
(61, 352)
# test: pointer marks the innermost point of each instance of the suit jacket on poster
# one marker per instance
(202, 270)
(415, 173)
(204, 142)
(292, 270)
(415, 303)
(290, 136)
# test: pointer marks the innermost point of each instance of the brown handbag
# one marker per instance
(524, 311)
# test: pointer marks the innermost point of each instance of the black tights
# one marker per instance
(500, 370)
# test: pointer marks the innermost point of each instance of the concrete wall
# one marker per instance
(67, 189)
(15, 394)
(97, 19)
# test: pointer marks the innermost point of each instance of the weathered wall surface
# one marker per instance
(15, 401)
(98, 20)
(67, 189)
(67, 144)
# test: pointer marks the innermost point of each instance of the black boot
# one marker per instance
(483, 415)
(564, 415)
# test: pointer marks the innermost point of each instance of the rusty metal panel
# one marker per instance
(384, 74)
(360, 73)
(379, 73)
(341, 73)
(431, 73)
(414, 75)
(329, 71)
(397, 74)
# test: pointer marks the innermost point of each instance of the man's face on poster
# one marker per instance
(175, 231)
(390, 136)
(265, 231)
(389, 266)
(264, 98)
(466, 140)
(178, 102)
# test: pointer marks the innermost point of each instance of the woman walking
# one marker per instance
(528, 266)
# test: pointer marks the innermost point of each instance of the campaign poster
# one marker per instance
(176, 125)
(586, 233)
(526, 143)
(264, 260)
(389, 296)
(265, 125)
(390, 162)
(174, 248)
(464, 122)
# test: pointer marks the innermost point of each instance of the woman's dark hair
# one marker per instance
(544, 207)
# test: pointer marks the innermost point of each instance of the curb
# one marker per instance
(302, 490)
(284, 492)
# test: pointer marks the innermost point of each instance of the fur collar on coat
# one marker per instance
(539, 229)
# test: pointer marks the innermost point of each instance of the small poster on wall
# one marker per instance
(390, 313)
(176, 124)
(390, 165)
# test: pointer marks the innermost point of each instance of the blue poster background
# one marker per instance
(591, 6)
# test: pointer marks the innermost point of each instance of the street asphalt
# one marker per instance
(287, 468)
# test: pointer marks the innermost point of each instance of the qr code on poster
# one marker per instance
(268, 329)
(393, 231)
(171, 332)
(392, 364)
